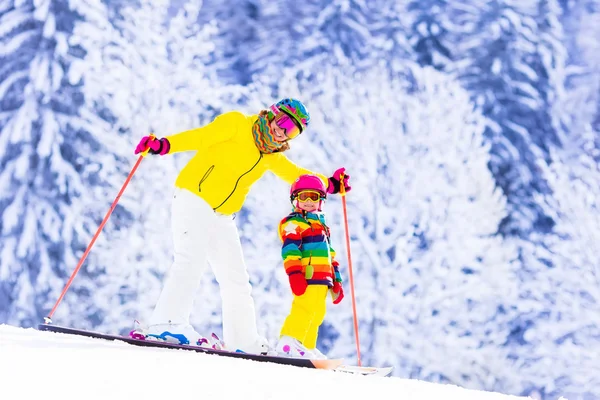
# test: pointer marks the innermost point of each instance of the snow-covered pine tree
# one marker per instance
(268, 37)
(554, 338)
(510, 57)
(236, 29)
(52, 150)
(579, 109)
(556, 347)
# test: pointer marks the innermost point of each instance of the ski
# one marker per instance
(329, 364)
(298, 362)
(368, 371)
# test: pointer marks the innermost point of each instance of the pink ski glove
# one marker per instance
(334, 181)
(153, 145)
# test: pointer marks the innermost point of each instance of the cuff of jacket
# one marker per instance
(164, 147)
(338, 276)
(294, 270)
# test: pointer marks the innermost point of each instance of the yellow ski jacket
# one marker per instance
(227, 162)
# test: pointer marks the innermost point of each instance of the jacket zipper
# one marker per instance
(238, 180)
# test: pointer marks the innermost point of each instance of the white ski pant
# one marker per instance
(200, 235)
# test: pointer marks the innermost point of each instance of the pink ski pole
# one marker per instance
(343, 194)
(48, 319)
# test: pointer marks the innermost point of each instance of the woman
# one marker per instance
(232, 152)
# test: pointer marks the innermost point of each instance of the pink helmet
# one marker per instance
(308, 182)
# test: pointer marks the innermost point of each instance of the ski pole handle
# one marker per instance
(342, 186)
(145, 152)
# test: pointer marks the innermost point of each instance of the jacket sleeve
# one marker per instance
(284, 168)
(290, 233)
(222, 128)
(334, 262)
(336, 268)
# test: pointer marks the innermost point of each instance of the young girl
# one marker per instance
(231, 154)
(309, 261)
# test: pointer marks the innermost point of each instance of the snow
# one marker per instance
(71, 367)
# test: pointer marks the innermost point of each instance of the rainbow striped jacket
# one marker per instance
(307, 249)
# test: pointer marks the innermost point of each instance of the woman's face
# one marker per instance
(284, 128)
(278, 133)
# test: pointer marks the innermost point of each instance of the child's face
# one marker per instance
(308, 201)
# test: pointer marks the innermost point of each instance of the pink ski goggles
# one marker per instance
(287, 123)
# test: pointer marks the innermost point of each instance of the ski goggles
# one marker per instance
(288, 125)
(286, 122)
(309, 195)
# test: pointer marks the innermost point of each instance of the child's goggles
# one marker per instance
(309, 195)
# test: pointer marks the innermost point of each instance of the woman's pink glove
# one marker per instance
(334, 181)
(153, 145)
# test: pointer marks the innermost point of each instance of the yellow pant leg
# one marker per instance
(306, 315)
(320, 308)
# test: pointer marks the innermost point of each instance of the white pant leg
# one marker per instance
(227, 261)
(191, 220)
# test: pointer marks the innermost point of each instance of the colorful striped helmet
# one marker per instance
(308, 182)
(294, 108)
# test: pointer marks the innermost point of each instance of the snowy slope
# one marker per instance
(45, 365)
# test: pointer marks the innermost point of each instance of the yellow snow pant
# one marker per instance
(306, 315)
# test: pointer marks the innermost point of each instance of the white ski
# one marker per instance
(374, 371)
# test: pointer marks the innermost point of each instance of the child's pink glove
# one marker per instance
(298, 283)
(153, 145)
(334, 182)
(338, 292)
